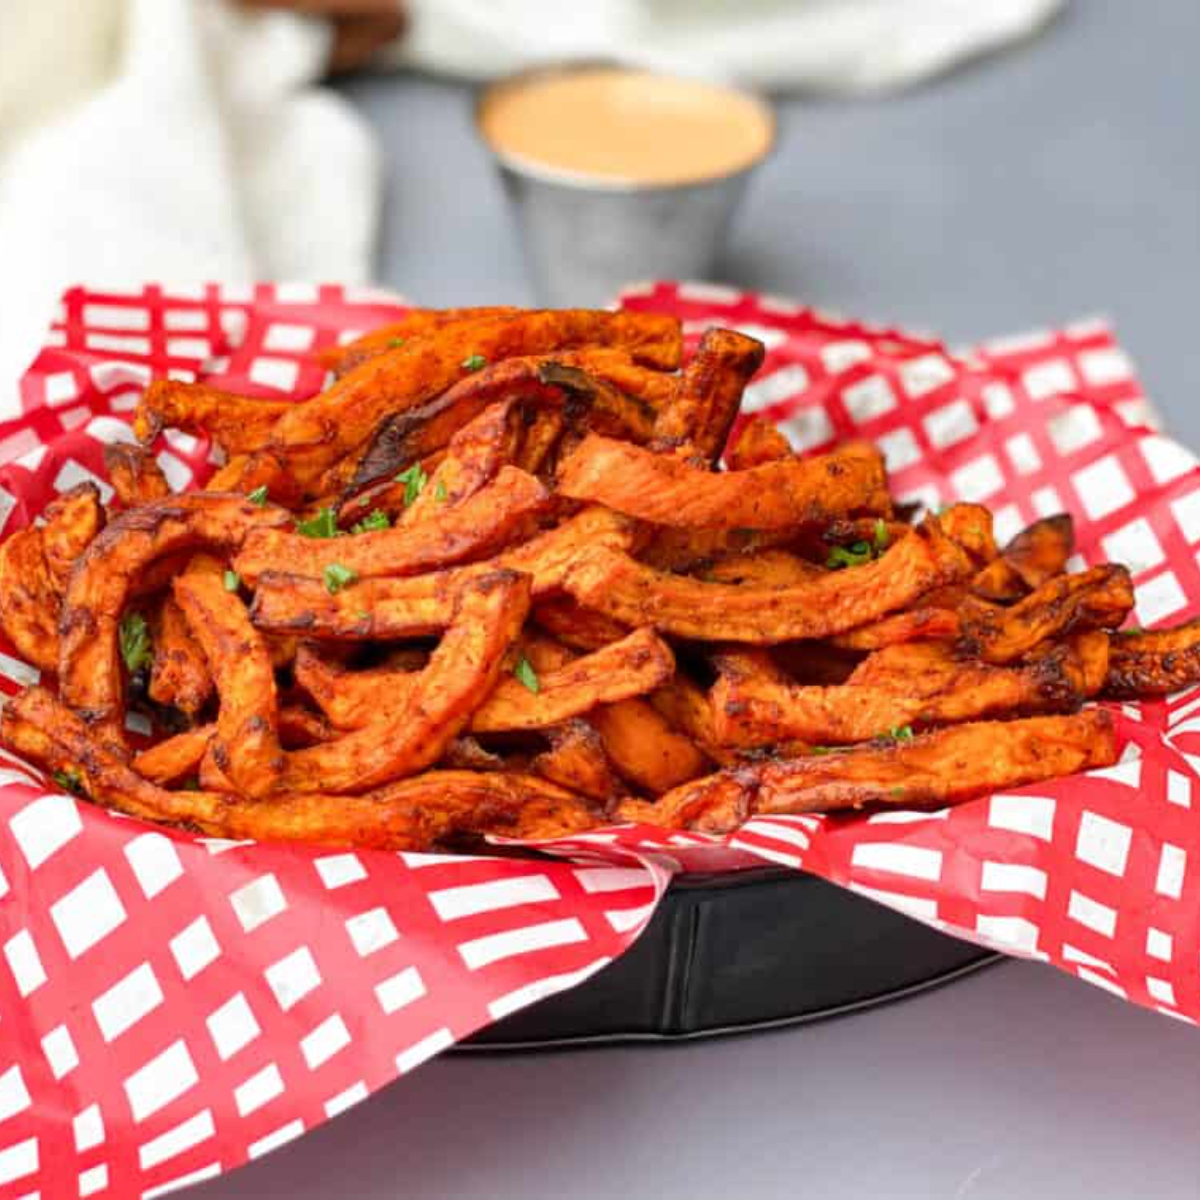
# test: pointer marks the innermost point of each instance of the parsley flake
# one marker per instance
(525, 674)
(882, 538)
(439, 492)
(896, 793)
(338, 577)
(849, 556)
(134, 637)
(232, 581)
(414, 480)
(375, 519)
(900, 733)
(69, 781)
(323, 525)
(396, 342)
(476, 362)
(258, 496)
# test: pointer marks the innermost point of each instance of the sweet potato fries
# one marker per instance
(493, 580)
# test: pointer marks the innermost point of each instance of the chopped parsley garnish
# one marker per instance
(134, 637)
(232, 581)
(900, 733)
(414, 480)
(849, 556)
(323, 525)
(439, 492)
(190, 784)
(896, 793)
(396, 343)
(525, 673)
(362, 615)
(823, 749)
(258, 496)
(881, 536)
(375, 519)
(69, 781)
(476, 362)
(338, 577)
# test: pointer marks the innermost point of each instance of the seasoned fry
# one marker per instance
(89, 669)
(315, 433)
(643, 748)
(636, 595)
(668, 491)
(72, 522)
(1100, 598)
(630, 667)
(943, 767)
(409, 737)
(478, 526)
(179, 674)
(238, 424)
(175, 757)
(578, 627)
(576, 760)
(1032, 558)
(762, 569)
(1153, 662)
(567, 382)
(134, 474)
(758, 441)
(913, 625)
(701, 412)
(756, 710)
(29, 602)
(246, 746)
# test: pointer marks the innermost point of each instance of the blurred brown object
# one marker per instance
(360, 27)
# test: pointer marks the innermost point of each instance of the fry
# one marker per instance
(461, 672)
(1100, 598)
(762, 569)
(179, 674)
(134, 474)
(478, 526)
(614, 583)
(630, 667)
(1153, 663)
(1031, 559)
(89, 669)
(578, 627)
(668, 491)
(643, 748)
(315, 433)
(29, 602)
(72, 521)
(175, 757)
(576, 760)
(246, 746)
(238, 424)
(758, 441)
(915, 624)
(760, 711)
(699, 415)
(943, 767)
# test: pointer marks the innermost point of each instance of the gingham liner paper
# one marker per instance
(171, 1006)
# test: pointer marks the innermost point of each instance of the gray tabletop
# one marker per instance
(1059, 181)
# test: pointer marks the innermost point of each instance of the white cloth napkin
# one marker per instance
(169, 139)
(845, 46)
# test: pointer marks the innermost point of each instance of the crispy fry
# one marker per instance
(756, 710)
(915, 624)
(1153, 662)
(701, 412)
(615, 584)
(543, 428)
(667, 491)
(686, 707)
(758, 441)
(247, 744)
(238, 424)
(576, 760)
(580, 628)
(408, 738)
(317, 432)
(762, 569)
(943, 767)
(1100, 598)
(564, 383)
(179, 674)
(134, 474)
(1032, 558)
(348, 698)
(29, 601)
(413, 814)
(89, 668)
(175, 757)
(300, 727)
(478, 526)
(73, 520)
(630, 667)
(643, 748)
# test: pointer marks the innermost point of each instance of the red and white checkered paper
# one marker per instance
(171, 1006)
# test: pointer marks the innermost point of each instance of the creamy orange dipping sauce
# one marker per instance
(626, 126)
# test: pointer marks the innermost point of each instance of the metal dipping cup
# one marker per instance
(587, 235)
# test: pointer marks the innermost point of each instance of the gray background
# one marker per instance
(1054, 182)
